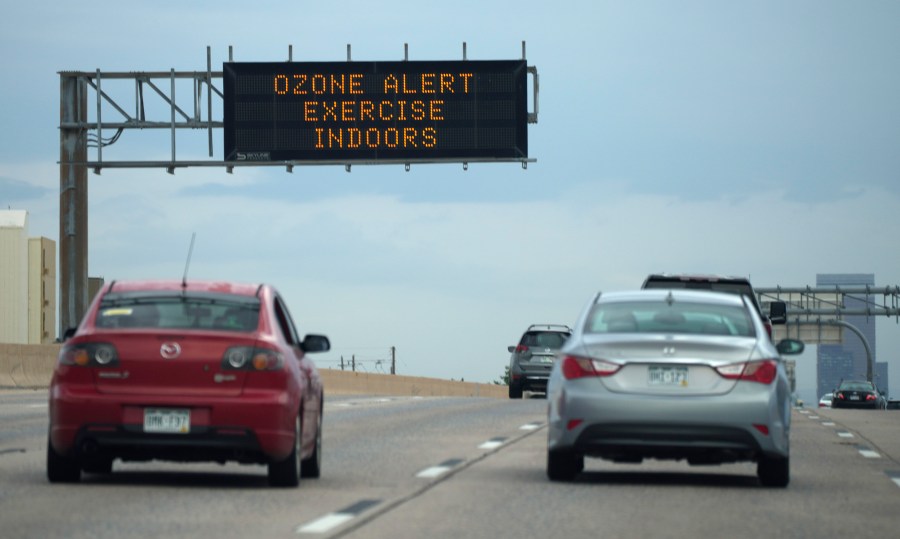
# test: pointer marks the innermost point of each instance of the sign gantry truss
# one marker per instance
(203, 107)
(816, 315)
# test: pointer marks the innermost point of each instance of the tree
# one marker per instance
(504, 380)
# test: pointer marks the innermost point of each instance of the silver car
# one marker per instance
(670, 374)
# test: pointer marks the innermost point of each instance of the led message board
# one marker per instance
(371, 111)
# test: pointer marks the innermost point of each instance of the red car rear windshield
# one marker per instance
(177, 311)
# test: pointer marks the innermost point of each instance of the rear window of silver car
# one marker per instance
(661, 317)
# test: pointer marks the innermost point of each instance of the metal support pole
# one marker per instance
(73, 202)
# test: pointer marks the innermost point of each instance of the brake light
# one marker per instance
(764, 371)
(582, 367)
(870, 397)
(521, 349)
(249, 358)
(89, 355)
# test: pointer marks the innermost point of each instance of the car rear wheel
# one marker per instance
(515, 391)
(774, 472)
(564, 465)
(312, 465)
(286, 473)
(60, 468)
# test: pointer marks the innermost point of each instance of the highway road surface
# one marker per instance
(446, 467)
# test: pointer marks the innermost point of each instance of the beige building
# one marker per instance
(27, 283)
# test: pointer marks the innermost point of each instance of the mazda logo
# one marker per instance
(170, 350)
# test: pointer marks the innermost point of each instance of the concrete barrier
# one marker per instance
(31, 366)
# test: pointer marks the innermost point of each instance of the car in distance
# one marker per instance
(670, 374)
(530, 361)
(186, 371)
(777, 313)
(858, 394)
(825, 401)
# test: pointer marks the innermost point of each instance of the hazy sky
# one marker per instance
(748, 138)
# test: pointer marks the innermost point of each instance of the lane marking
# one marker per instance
(867, 452)
(828, 423)
(330, 521)
(844, 434)
(440, 469)
(531, 426)
(814, 417)
(894, 475)
(493, 443)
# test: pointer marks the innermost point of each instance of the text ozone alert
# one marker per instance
(352, 83)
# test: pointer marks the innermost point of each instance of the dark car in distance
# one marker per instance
(858, 394)
(186, 371)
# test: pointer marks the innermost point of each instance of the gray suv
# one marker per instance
(531, 360)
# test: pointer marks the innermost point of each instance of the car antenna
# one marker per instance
(188, 263)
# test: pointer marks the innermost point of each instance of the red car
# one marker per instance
(187, 371)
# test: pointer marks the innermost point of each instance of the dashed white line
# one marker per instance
(440, 469)
(844, 434)
(491, 444)
(332, 520)
(530, 426)
(326, 523)
(828, 423)
(868, 453)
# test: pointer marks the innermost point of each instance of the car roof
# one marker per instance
(221, 287)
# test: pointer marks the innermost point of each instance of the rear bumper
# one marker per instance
(701, 429)
(251, 428)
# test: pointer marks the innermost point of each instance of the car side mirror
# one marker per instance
(69, 333)
(315, 343)
(511, 348)
(790, 347)
(778, 312)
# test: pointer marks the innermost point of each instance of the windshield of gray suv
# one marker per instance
(544, 339)
(661, 317)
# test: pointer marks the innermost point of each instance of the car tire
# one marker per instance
(515, 391)
(564, 465)
(312, 465)
(774, 472)
(286, 473)
(60, 468)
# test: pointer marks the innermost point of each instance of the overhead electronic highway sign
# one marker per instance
(413, 111)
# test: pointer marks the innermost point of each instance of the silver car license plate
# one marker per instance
(668, 376)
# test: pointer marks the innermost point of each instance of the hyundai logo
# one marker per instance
(170, 350)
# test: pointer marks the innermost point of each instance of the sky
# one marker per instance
(739, 138)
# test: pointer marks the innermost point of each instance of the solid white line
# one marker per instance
(326, 523)
(869, 454)
(490, 444)
(434, 471)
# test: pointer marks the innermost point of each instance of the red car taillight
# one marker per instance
(521, 349)
(249, 358)
(582, 367)
(764, 371)
(91, 354)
